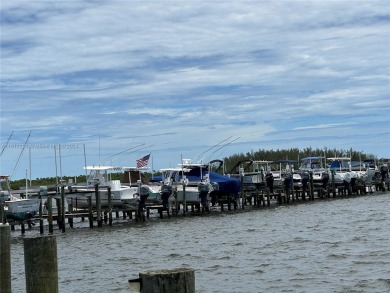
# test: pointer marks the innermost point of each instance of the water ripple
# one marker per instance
(337, 246)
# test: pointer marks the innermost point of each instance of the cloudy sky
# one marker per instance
(116, 80)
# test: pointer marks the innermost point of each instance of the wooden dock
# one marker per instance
(247, 199)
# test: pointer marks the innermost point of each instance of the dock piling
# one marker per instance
(90, 215)
(98, 206)
(184, 200)
(40, 260)
(63, 209)
(59, 209)
(181, 280)
(333, 183)
(311, 197)
(5, 258)
(50, 213)
(3, 217)
(109, 206)
(40, 218)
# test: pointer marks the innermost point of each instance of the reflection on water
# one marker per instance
(329, 245)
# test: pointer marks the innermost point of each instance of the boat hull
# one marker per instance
(191, 195)
(22, 209)
(80, 200)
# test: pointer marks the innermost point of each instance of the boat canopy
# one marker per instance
(101, 168)
(312, 158)
(339, 159)
(285, 162)
(134, 168)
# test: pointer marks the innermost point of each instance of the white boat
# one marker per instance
(175, 177)
(79, 195)
(17, 209)
(185, 184)
(154, 192)
(316, 166)
(346, 171)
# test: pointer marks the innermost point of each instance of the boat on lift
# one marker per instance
(78, 194)
(17, 209)
(316, 167)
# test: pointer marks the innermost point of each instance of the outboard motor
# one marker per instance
(214, 193)
(288, 181)
(325, 180)
(166, 191)
(305, 180)
(353, 184)
(384, 171)
(269, 179)
(143, 196)
(203, 190)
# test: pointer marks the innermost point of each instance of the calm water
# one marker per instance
(340, 245)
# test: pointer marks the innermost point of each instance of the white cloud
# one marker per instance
(184, 77)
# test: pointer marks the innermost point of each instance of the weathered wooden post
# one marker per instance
(90, 217)
(63, 208)
(287, 190)
(70, 221)
(40, 217)
(40, 261)
(98, 205)
(305, 181)
(2, 214)
(292, 186)
(50, 213)
(311, 186)
(242, 187)
(176, 203)
(5, 258)
(333, 183)
(181, 280)
(59, 209)
(109, 206)
(184, 197)
(268, 198)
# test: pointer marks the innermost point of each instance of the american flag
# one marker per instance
(143, 161)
